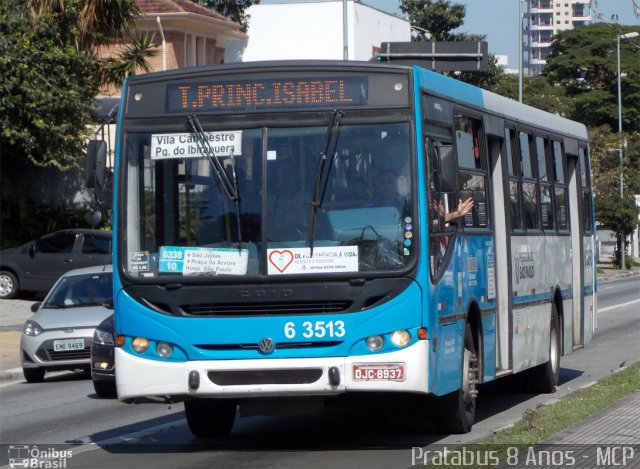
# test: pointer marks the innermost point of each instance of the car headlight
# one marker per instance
(103, 337)
(32, 328)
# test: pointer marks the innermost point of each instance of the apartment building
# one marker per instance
(542, 20)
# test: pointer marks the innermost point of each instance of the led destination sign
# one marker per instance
(267, 94)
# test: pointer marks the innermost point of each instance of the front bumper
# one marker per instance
(138, 377)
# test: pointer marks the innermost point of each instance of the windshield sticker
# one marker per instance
(325, 259)
(139, 261)
(203, 261)
(166, 146)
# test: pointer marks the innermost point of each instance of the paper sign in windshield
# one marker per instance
(325, 260)
(165, 146)
(203, 261)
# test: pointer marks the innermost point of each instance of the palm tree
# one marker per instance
(97, 23)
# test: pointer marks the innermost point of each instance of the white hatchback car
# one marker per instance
(59, 335)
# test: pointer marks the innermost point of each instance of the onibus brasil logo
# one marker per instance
(32, 456)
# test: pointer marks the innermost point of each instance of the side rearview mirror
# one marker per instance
(446, 174)
(32, 250)
(35, 306)
(95, 170)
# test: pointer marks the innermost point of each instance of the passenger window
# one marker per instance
(561, 207)
(59, 243)
(96, 245)
(541, 153)
(510, 152)
(530, 206)
(558, 163)
(514, 204)
(525, 155)
(545, 205)
(474, 186)
(468, 142)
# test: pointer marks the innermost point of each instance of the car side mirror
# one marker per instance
(35, 307)
(32, 250)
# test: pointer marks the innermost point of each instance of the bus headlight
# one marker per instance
(164, 349)
(140, 344)
(400, 338)
(375, 342)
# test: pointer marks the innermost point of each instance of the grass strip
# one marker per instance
(541, 423)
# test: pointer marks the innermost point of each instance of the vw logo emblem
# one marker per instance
(266, 345)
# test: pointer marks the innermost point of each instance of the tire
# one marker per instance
(544, 378)
(33, 375)
(105, 389)
(9, 285)
(209, 418)
(458, 409)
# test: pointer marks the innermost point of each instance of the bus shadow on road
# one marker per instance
(388, 423)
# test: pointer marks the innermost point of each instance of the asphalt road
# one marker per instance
(65, 410)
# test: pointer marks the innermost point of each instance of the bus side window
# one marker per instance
(585, 176)
(531, 218)
(513, 167)
(560, 190)
(472, 178)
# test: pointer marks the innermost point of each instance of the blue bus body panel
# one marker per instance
(473, 262)
(402, 312)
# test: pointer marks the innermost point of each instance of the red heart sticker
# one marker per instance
(281, 259)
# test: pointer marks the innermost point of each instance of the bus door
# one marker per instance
(499, 149)
(578, 253)
(582, 246)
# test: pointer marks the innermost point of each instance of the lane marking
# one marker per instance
(609, 308)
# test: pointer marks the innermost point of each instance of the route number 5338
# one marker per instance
(315, 329)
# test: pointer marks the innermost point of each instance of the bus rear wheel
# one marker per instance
(544, 378)
(458, 409)
(209, 418)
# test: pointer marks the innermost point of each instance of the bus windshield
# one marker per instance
(181, 221)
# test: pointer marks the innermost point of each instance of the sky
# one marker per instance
(498, 19)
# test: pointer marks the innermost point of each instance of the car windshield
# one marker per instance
(81, 290)
(180, 219)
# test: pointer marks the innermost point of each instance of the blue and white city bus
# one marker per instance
(288, 230)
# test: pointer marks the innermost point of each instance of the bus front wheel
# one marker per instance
(208, 418)
(459, 407)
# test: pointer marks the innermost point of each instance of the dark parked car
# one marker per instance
(36, 265)
(103, 371)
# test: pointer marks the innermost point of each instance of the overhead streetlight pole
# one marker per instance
(345, 38)
(520, 71)
(618, 37)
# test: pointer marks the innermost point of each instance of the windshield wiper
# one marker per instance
(229, 186)
(320, 187)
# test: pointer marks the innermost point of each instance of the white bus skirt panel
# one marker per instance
(138, 377)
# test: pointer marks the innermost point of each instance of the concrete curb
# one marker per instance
(625, 274)
(11, 375)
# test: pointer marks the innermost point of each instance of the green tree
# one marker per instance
(584, 62)
(438, 17)
(46, 91)
(536, 92)
(619, 214)
(232, 9)
(50, 75)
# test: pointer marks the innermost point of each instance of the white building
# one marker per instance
(544, 19)
(314, 31)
